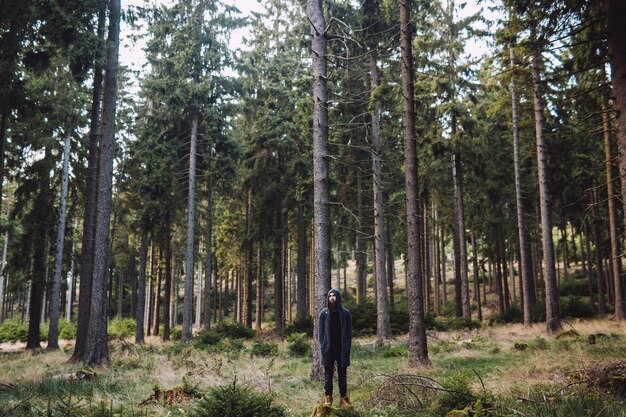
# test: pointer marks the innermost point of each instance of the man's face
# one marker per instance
(332, 298)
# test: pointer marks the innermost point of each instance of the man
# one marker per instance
(335, 337)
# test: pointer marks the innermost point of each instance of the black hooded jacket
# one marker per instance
(325, 331)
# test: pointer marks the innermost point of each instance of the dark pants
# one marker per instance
(341, 375)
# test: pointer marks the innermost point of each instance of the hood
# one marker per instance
(337, 295)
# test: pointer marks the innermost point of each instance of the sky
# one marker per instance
(132, 56)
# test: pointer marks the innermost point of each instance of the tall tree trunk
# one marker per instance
(437, 295)
(444, 278)
(321, 211)
(167, 295)
(141, 288)
(521, 228)
(249, 273)
(460, 254)
(191, 222)
(418, 351)
(586, 232)
(599, 265)
(97, 349)
(615, 247)
(301, 304)
(3, 278)
(498, 278)
(157, 295)
(383, 327)
(53, 329)
(259, 287)
(616, 33)
(209, 251)
(361, 256)
(391, 267)
(41, 209)
(90, 196)
(278, 274)
(553, 319)
(476, 279)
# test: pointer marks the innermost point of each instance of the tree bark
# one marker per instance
(521, 228)
(141, 288)
(460, 253)
(259, 287)
(279, 278)
(553, 319)
(301, 304)
(96, 349)
(41, 210)
(616, 33)
(321, 210)
(383, 327)
(90, 196)
(418, 352)
(391, 267)
(361, 256)
(615, 247)
(191, 222)
(209, 251)
(55, 294)
(599, 265)
(167, 296)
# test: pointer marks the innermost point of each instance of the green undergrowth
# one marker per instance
(480, 372)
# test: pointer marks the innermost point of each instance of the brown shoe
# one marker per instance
(345, 402)
(329, 401)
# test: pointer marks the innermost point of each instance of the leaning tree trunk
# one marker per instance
(90, 196)
(191, 222)
(418, 351)
(524, 272)
(383, 326)
(553, 319)
(616, 33)
(321, 211)
(55, 294)
(97, 349)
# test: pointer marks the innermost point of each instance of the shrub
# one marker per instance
(304, 325)
(176, 333)
(236, 401)
(513, 315)
(579, 287)
(260, 348)
(12, 330)
(67, 330)
(363, 318)
(233, 330)
(122, 327)
(206, 338)
(299, 345)
(458, 394)
(394, 352)
(399, 318)
(575, 306)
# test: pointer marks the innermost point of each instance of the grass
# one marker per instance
(495, 370)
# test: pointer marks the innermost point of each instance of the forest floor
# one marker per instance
(512, 370)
